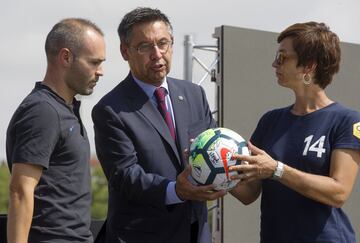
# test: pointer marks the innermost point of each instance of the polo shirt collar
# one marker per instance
(39, 86)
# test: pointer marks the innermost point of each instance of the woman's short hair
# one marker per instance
(314, 43)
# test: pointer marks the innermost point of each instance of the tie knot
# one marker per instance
(160, 94)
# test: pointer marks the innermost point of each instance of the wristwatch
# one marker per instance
(279, 170)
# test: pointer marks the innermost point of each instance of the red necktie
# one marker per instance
(160, 97)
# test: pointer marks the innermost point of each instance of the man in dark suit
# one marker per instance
(141, 148)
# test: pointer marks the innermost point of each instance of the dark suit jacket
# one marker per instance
(140, 158)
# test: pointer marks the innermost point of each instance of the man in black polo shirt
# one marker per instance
(47, 147)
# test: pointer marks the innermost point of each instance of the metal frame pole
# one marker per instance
(189, 46)
(188, 57)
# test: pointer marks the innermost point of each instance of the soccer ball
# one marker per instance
(210, 157)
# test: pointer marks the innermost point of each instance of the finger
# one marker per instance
(240, 157)
(245, 173)
(210, 195)
(245, 159)
(254, 150)
(186, 153)
(246, 180)
(238, 168)
(235, 156)
(216, 195)
(243, 167)
(236, 177)
(206, 188)
(243, 176)
(186, 172)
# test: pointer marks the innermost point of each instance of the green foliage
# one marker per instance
(99, 193)
(4, 187)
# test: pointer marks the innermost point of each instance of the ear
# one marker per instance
(310, 68)
(124, 49)
(65, 56)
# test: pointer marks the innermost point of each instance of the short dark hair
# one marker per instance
(68, 33)
(139, 16)
(314, 43)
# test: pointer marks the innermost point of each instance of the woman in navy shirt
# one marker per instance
(305, 156)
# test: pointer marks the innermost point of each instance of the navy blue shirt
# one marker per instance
(46, 131)
(305, 143)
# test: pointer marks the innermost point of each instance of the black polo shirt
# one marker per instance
(46, 131)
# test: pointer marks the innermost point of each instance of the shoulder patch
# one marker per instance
(356, 130)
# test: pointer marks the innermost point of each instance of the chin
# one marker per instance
(281, 83)
(90, 91)
(86, 92)
(159, 78)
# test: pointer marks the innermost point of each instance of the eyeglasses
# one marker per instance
(280, 57)
(146, 48)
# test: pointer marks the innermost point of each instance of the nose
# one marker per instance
(156, 53)
(274, 64)
(99, 71)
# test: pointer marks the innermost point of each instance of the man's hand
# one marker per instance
(185, 190)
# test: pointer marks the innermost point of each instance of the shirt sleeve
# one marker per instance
(171, 196)
(347, 135)
(36, 134)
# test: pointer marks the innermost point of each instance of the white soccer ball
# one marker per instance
(210, 157)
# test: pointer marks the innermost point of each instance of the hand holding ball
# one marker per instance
(210, 157)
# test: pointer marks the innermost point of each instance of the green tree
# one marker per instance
(4, 187)
(99, 193)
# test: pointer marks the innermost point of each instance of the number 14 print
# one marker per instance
(317, 146)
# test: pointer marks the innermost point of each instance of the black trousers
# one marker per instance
(194, 232)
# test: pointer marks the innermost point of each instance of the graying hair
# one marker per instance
(139, 16)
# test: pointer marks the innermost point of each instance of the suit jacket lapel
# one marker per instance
(180, 106)
(138, 98)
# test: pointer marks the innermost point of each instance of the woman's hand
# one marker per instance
(259, 165)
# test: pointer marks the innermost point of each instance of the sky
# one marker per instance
(24, 25)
